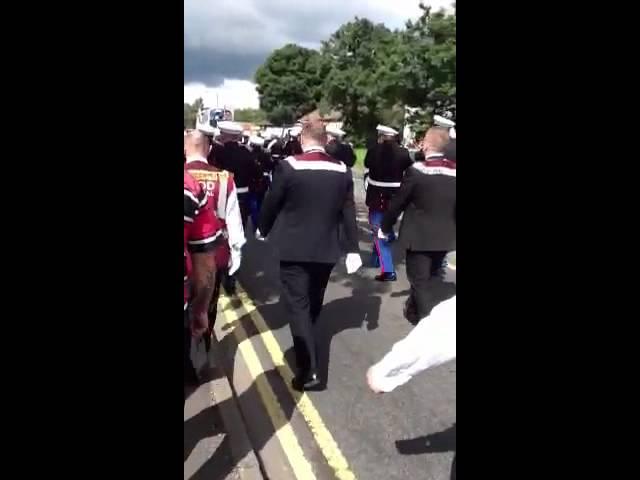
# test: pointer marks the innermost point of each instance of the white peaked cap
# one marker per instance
(335, 131)
(256, 140)
(230, 128)
(440, 121)
(384, 130)
(208, 130)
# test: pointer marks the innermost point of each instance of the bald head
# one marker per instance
(196, 143)
(435, 140)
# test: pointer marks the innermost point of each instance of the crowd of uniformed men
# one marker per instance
(306, 184)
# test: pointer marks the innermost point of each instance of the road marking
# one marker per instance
(284, 432)
(323, 437)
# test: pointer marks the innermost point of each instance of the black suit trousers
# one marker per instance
(303, 287)
(423, 273)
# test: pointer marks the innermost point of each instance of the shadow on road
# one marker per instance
(439, 442)
(208, 423)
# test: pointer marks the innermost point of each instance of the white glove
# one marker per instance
(382, 236)
(353, 262)
(449, 268)
(235, 260)
(259, 235)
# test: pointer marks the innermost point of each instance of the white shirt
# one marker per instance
(432, 342)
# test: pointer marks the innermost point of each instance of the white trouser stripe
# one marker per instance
(383, 184)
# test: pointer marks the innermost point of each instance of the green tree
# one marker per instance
(191, 111)
(251, 115)
(356, 83)
(289, 83)
(426, 77)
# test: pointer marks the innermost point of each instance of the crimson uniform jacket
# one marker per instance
(311, 196)
(222, 198)
(201, 227)
(428, 198)
(385, 164)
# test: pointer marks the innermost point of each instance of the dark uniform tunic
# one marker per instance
(236, 159)
(386, 163)
(312, 196)
(260, 183)
(428, 231)
(275, 148)
(341, 151)
(292, 147)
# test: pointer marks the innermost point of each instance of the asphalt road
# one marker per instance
(409, 433)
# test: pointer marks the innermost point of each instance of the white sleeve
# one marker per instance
(432, 342)
(234, 221)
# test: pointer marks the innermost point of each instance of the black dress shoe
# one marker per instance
(387, 277)
(306, 382)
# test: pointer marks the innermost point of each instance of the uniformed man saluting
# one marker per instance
(444, 122)
(339, 149)
(428, 231)
(293, 147)
(385, 164)
(260, 184)
(275, 148)
(236, 159)
(312, 193)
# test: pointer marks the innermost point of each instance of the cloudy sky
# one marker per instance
(225, 41)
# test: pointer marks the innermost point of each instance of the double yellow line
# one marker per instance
(328, 446)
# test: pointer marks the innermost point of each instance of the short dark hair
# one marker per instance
(315, 129)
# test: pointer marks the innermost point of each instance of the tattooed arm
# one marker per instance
(203, 284)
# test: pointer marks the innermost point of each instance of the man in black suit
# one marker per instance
(312, 195)
(428, 231)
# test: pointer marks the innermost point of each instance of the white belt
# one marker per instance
(383, 184)
(242, 190)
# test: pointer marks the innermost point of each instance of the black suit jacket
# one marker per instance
(428, 198)
(311, 196)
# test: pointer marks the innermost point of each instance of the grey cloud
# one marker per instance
(211, 66)
(232, 38)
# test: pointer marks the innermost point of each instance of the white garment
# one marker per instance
(233, 219)
(353, 262)
(432, 342)
(235, 260)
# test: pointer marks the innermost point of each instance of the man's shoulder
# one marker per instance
(429, 171)
(315, 161)
(204, 171)
(190, 183)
